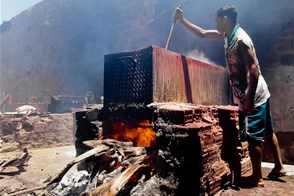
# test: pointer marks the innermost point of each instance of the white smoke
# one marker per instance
(199, 55)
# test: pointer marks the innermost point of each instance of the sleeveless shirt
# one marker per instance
(239, 72)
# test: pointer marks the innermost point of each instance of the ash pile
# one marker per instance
(184, 149)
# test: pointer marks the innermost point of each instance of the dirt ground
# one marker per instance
(43, 163)
(48, 161)
(283, 186)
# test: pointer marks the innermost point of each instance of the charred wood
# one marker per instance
(57, 177)
(17, 161)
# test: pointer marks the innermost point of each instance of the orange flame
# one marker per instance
(140, 133)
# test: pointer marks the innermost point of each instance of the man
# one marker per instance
(249, 88)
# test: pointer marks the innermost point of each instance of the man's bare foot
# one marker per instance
(250, 182)
(277, 172)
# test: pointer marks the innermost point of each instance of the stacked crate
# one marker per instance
(235, 151)
(246, 166)
(194, 145)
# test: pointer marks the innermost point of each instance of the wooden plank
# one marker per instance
(107, 142)
(101, 149)
(113, 186)
(15, 161)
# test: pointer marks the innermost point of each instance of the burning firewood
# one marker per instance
(107, 142)
(114, 164)
(186, 158)
(128, 148)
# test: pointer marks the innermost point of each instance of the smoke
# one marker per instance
(80, 33)
(101, 27)
(199, 55)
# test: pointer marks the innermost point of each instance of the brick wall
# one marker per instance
(18, 131)
(280, 79)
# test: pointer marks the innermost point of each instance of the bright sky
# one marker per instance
(11, 8)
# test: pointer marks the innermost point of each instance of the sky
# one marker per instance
(11, 8)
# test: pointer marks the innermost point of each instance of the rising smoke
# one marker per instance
(200, 56)
(79, 33)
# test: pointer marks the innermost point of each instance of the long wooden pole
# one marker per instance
(171, 31)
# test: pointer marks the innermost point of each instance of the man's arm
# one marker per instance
(248, 57)
(196, 30)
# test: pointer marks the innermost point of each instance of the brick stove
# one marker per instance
(177, 107)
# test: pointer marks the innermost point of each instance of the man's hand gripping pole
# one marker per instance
(171, 31)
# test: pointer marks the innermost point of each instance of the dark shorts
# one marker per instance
(260, 122)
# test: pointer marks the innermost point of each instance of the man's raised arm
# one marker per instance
(198, 31)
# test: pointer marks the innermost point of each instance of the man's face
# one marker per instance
(220, 23)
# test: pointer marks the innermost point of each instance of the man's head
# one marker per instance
(226, 16)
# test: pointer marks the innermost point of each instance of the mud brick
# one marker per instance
(246, 165)
(219, 175)
(213, 158)
(211, 154)
(210, 159)
(177, 116)
(206, 136)
(215, 184)
(210, 148)
(198, 114)
(228, 112)
(219, 169)
(214, 112)
(206, 140)
(204, 181)
(206, 168)
(215, 190)
(215, 154)
(218, 184)
(244, 150)
(39, 127)
(217, 134)
(234, 115)
(205, 158)
(218, 137)
(217, 129)
(206, 129)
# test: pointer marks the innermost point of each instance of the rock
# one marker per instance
(26, 109)
(72, 184)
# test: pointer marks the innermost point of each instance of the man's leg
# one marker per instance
(272, 139)
(255, 127)
(255, 152)
(274, 145)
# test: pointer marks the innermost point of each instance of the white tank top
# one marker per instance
(239, 73)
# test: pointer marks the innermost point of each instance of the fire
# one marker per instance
(140, 133)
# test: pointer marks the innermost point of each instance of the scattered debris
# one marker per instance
(186, 156)
(18, 161)
(117, 165)
(72, 184)
(26, 109)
